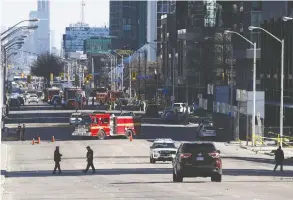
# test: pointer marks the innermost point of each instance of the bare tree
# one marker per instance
(223, 57)
(47, 64)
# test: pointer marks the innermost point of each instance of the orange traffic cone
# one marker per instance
(130, 138)
(53, 138)
(33, 142)
(39, 140)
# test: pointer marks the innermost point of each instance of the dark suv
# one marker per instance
(197, 159)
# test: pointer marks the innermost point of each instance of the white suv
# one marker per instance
(163, 149)
(33, 98)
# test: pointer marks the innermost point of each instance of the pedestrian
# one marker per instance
(18, 131)
(90, 159)
(23, 133)
(57, 160)
(279, 158)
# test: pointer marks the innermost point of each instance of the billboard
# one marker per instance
(97, 45)
(75, 36)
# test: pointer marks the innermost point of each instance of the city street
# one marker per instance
(123, 168)
(124, 172)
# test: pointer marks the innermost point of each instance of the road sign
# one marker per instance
(165, 90)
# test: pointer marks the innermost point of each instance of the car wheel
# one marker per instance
(152, 160)
(216, 178)
(177, 178)
(101, 135)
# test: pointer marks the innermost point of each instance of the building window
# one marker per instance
(256, 5)
(256, 18)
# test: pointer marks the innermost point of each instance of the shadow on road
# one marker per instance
(257, 160)
(122, 171)
(190, 181)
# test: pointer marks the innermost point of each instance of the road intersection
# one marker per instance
(124, 172)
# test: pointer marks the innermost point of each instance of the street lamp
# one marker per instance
(18, 29)
(282, 73)
(254, 80)
(29, 20)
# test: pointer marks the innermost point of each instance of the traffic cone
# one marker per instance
(53, 138)
(33, 142)
(130, 138)
(39, 140)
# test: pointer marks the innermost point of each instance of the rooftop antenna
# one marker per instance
(82, 11)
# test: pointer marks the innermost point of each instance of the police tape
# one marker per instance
(278, 140)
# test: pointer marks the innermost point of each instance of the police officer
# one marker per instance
(279, 158)
(18, 131)
(23, 138)
(57, 160)
(90, 158)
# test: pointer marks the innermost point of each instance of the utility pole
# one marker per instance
(145, 73)
(138, 74)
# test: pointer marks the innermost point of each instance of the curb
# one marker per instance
(4, 160)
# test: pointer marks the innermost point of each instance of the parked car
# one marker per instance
(206, 130)
(197, 159)
(75, 118)
(33, 98)
(14, 102)
(169, 116)
(21, 100)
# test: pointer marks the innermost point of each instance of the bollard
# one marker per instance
(39, 140)
(33, 142)
(53, 138)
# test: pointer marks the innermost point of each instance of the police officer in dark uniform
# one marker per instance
(279, 158)
(18, 131)
(23, 138)
(90, 158)
(57, 160)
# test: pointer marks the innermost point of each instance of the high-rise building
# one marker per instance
(75, 35)
(39, 41)
(128, 24)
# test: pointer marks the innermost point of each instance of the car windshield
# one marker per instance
(176, 105)
(205, 147)
(169, 112)
(163, 145)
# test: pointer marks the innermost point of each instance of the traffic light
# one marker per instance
(51, 76)
(62, 75)
(29, 79)
(223, 76)
(133, 75)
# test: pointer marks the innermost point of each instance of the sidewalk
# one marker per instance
(267, 150)
(4, 154)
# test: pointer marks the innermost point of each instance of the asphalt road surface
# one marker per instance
(123, 171)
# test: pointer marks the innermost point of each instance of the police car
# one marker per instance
(163, 149)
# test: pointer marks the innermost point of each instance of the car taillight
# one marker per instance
(214, 154)
(185, 155)
(218, 163)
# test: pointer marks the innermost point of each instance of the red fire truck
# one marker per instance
(102, 125)
(50, 92)
(71, 94)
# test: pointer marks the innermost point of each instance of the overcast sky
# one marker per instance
(63, 13)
